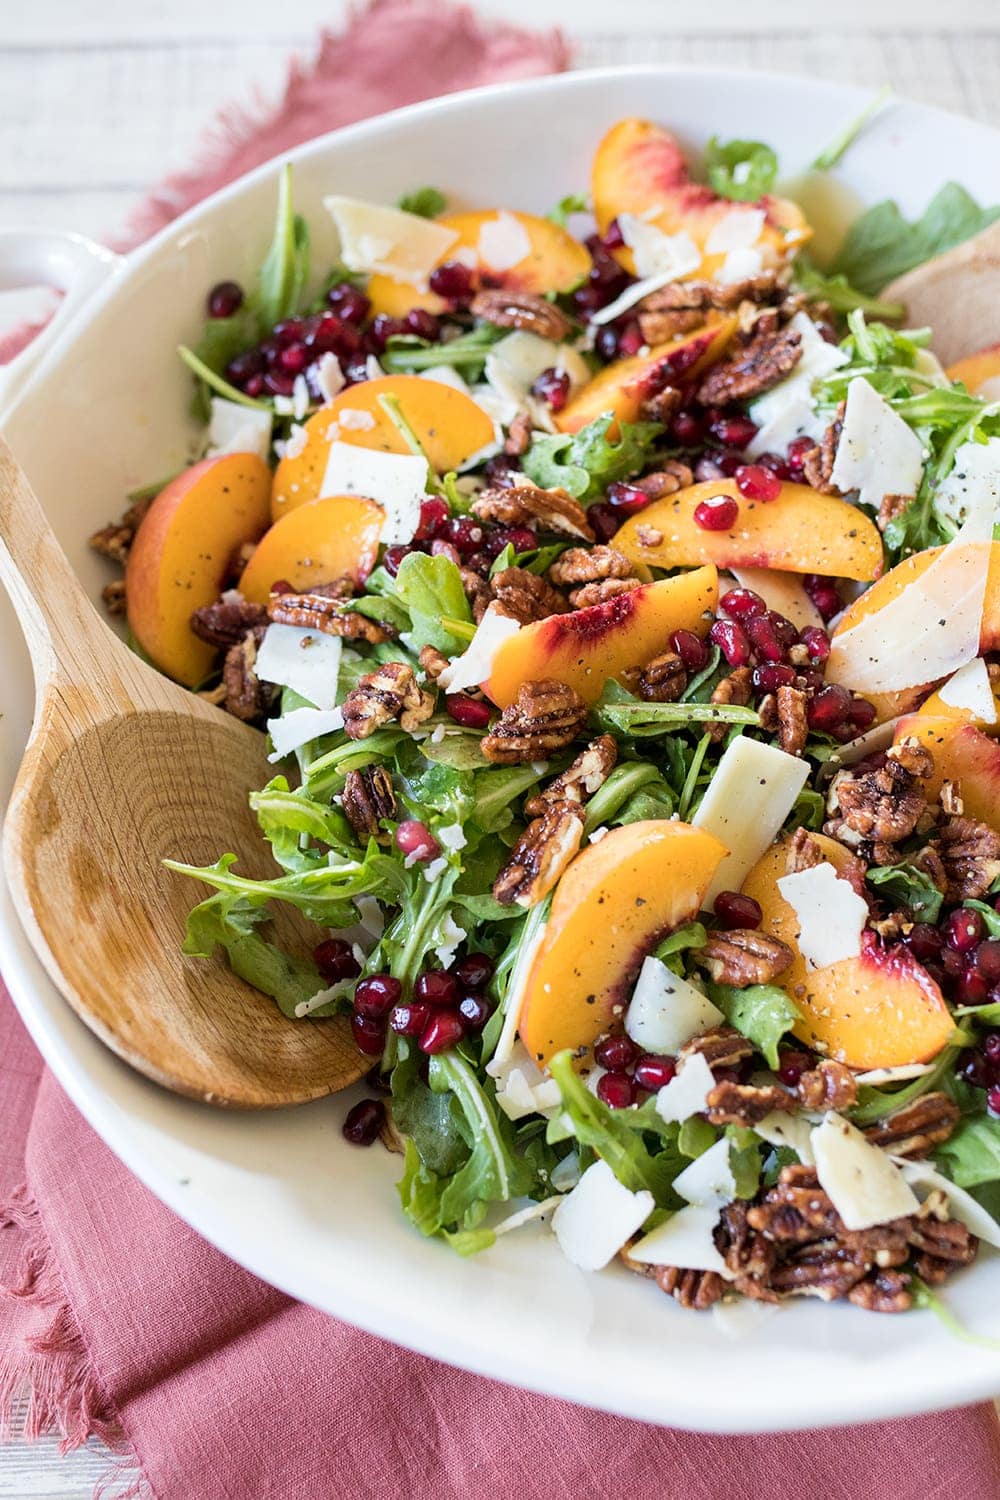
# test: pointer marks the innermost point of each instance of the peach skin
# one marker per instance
(622, 386)
(336, 537)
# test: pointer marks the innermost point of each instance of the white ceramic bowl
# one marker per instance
(103, 410)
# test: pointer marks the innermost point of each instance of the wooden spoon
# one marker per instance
(957, 294)
(123, 769)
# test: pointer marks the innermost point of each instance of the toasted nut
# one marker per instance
(527, 505)
(693, 1289)
(545, 717)
(512, 309)
(768, 358)
(743, 956)
(227, 621)
(599, 593)
(540, 855)
(589, 565)
(735, 688)
(579, 781)
(390, 692)
(970, 854)
(827, 1086)
(916, 1128)
(883, 1292)
(526, 597)
(723, 1047)
(746, 1104)
(793, 725)
(369, 801)
(433, 661)
(327, 615)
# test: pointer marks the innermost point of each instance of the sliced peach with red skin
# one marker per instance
(182, 553)
(975, 369)
(585, 648)
(450, 426)
(964, 755)
(639, 167)
(616, 901)
(555, 262)
(336, 537)
(878, 1010)
(801, 531)
(622, 386)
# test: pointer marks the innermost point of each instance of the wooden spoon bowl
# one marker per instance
(124, 769)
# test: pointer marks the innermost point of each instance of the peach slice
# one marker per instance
(801, 531)
(617, 899)
(182, 553)
(555, 262)
(336, 537)
(639, 167)
(879, 1010)
(962, 754)
(587, 647)
(449, 424)
(976, 369)
(622, 386)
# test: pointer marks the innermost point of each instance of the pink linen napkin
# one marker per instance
(126, 1325)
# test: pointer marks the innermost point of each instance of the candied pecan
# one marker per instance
(663, 679)
(883, 1292)
(369, 801)
(227, 621)
(916, 1128)
(723, 1047)
(580, 780)
(914, 757)
(743, 956)
(803, 852)
(518, 439)
(661, 405)
(767, 713)
(246, 697)
(796, 1210)
(527, 505)
(693, 1289)
(113, 595)
(747, 1253)
(599, 593)
(755, 368)
(818, 462)
(433, 661)
(793, 725)
(951, 801)
(930, 862)
(701, 295)
(589, 565)
(661, 327)
(390, 692)
(827, 1086)
(736, 688)
(890, 508)
(944, 1239)
(540, 855)
(970, 853)
(526, 597)
(511, 309)
(671, 476)
(822, 1270)
(320, 612)
(114, 541)
(745, 1103)
(545, 717)
(885, 805)
(648, 536)
(477, 591)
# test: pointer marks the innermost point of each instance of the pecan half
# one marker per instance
(804, 853)
(526, 597)
(540, 855)
(970, 854)
(580, 780)
(518, 439)
(768, 358)
(327, 615)
(527, 505)
(743, 956)
(914, 757)
(115, 539)
(885, 805)
(545, 717)
(883, 1292)
(113, 595)
(369, 801)
(822, 1270)
(890, 508)
(793, 725)
(697, 1290)
(477, 591)
(433, 661)
(747, 1253)
(600, 592)
(723, 1047)
(661, 405)
(736, 688)
(227, 621)
(747, 1104)
(390, 692)
(796, 1210)
(661, 327)
(818, 462)
(945, 1239)
(512, 309)
(663, 679)
(701, 295)
(589, 565)
(246, 697)
(916, 1128)
(673, 475)
(827, 1086)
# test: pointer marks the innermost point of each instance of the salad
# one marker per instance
(623, 612)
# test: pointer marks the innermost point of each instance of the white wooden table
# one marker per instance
(98, 101)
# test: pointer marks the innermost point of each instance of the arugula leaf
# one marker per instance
(322, 894)
(924, 1297)
(430, 1119)
(741, 170)
(426, 202)
(641, 720)
(875, 1103)
(431, 589)
(695, 1136)
(285, 271)
(839, 293)
(285, 816)
(882, 244)
(831, 155)
(573, 203)
(406, 353)
(222, 922)
(626, 779)
(905, 885)
(584, 463)
(762, 1012)
(971, 1154)
(692, 935)
(744, 1159)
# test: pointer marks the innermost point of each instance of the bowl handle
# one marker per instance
(73, 265)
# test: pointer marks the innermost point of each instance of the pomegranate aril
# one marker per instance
(521, 538)
(471, 713)
(707, 468)
(991, 1047)
(415, 838)
(626, 499)
(829, 708)
(728, 463)
(434, 513)
(823, 593)
(552, 387)
(410, 1020)
(971, 988)
(436, 987)
(687, 429)
(363, 1123)
(862, 715)
(335, 960)
(816, 642)
(630, 340)
(757, 483)
(604, 520)
(393, 556)
(732, 641)
(742, 604)
(775, 464)
(764, 638)
(613, 237)
(691, 649)
(716, 513)
(987, 960)
(792, 1063)
(347, 302)
(254, 385)
(605, 270)
(294, 359)
(606, 343)
(225, 298)
(771, 676)
(963, 930)
(474, 971)
(975, 1069)
(733, 432)
(952, 962)
(375, 996)
(279, 383)
(993, 1100)
(653, 1073)
(444, 1029)
(797, 450)
(424, 324)
(616, 1090)
(475, 1011)
(369, 1035)
(242, 366)
(733, 909)
(924, 941)
(382, 329)
(452, 280)
(616, 1053)
(465, 533)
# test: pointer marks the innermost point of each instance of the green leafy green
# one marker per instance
(744, 1159)
(762, 1012)
(905, 885)
(427, 202)
(882, 244)
(618, 711)
(741, 170)
(671, 948)
(431, 591)
(322, 894)
(573, 203)
(584, 463)
(875, 1103)
(406, 353)
(431, 1119)
(695, 1136)
(223, 921)
(924, 1297)
(839, 293)
(285, 270)
(831, 155)
(215, 382)
(971, 1154)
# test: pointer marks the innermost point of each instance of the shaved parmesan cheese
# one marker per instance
(329, 377)
(740, 265)
(396, 481)
(514, 364)
(787, 411)
(876, 1076)
(795, 418)
(447, 935)
(779, 1129)
(503, 242)
(962, 1205)
(300, 727)
(737, 230)
(446, 375)
(830, 913)
(527, 1215)
(877, 454)
(476, 662)
(387, 240)
(522, 1088)
(931, 628)
(238, 429)
(782, 592)
(749, 797)
(355, 419)
(864, 1185)
(595, 1220)
(970, 689)
(659, 259)
(304, 660)
(514, 999)
(686, 1240)
(975, 473)
(709, 1179)
(667, 1010)
(687, 1093)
